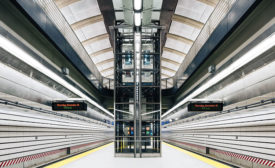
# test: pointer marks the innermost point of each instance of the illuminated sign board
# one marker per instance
(69, 106)
(200, 106)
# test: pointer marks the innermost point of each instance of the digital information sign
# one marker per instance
(200, 106)
(69, 106)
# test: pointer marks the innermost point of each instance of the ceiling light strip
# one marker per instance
(253, 53)
(137, 16)
(137, 5)
(25, 57)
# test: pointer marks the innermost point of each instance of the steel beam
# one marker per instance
(107, 10)
(85, 22)
(167, 11)
(174, 51)
(64, 3)
(180, 38)
(170, 61)
(107, 69)
(168, 69)
(105, 61)
(108, 76)
(212, 3)
(165, 76)
(94, 39)
(101, 52)
(185, 20)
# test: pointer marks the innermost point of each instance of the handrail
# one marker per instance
(249, 106)
(20, 105)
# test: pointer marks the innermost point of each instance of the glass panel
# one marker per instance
(137, 103)
(151, 145)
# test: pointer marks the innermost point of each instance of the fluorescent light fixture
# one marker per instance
(137, 47)
(138, 56)
(253, 53)
(25, 57)
(137, 16)
(137, 5)
(137, 60)
(137, 76)
(137, 40)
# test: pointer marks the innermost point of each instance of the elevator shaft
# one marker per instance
(137, 93)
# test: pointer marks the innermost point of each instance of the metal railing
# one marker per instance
(42, 110)
(167, 83)
(108, 83)
(237, 108)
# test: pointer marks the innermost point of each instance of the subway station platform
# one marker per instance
(137, 83)
(172, 156)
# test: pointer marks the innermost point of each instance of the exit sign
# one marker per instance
(199, 106)
(69, 106)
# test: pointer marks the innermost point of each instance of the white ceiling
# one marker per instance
(183, 32)
(81, 10)
(198, 11)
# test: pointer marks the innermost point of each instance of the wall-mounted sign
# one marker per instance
(205, 106)
(69, 106)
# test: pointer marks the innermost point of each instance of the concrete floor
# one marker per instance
(104, 158)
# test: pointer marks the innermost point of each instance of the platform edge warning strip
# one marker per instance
(15, 162)
(200, 157)
(73, 158)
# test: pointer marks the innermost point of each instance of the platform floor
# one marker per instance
(172, 157)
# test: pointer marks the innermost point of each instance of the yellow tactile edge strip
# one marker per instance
(73, 158)
(201, 158)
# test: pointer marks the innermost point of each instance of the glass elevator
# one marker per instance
(137, 91)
